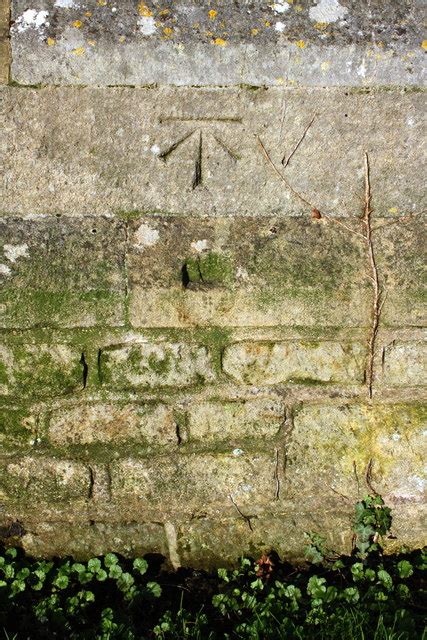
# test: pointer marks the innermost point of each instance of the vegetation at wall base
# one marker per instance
(364, 596)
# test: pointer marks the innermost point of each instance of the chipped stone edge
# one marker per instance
(5, 48)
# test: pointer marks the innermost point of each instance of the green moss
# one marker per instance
(161, 366)
(211, 269)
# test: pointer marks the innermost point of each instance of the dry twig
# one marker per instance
(368, 477)
(377, 302)
(286, 160)
(276, 476)
(247, 519)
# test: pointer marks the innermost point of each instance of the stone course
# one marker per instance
(186, 296)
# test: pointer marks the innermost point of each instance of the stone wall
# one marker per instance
(212, 257)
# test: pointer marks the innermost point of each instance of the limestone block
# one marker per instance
(275, 363)
(40, 370)
(47, 484)
(208, 543)
(194, 483)
(86, 540)
(244, 272)
(4, 41)
(405, 364)
(325, 43)
(112, 424)
(94, 150)
(18, 429)
(332, 445)
(59, 272)
(235, 421)
(401, 261)
(155, 365)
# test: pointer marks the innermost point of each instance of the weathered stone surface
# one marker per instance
(112, 424)
(29, 370)
(331, 446)
(326, 42)
(155, 365)
(193, 484)
(275, 363)
(401, 262)
(209, 543)
(84, 541)
(98, 151)
(404, 363)
(50, 484)
(61, 272)
(4, 41)
(244, 272)
(18, 430)
(234, 421)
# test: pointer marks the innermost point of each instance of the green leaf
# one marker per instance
(110, 559)
(385, 578)
(115, 571)
(140, 565)
(61, 582)
(101, 575)
(154, 588)
(78, 567)
(94, 565)
(405, 569)
(11, 552)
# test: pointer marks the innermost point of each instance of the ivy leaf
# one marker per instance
(140, 565)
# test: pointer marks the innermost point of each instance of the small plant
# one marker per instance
(366, 594)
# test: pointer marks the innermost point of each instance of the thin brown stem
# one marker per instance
(374, 278)
(282, 177)
(301, 197)
(276, 476)
(406, 218)
(286, 160)
(247, 519)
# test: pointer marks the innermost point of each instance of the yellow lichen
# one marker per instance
(424, 44)
(164, 12)
(79, 51)
(254, 31)
(325, 65)
(91, 43)
(220, 42)
(301, 44)
(144, 11)
(267, 23)
(77, 24)
(298, 8)
(393, 210)
(212, 14)
(102, 3)
(321, 26)
(88, 14)
(168, 31)
(51, 42)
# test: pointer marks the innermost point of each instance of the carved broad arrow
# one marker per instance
(200, 152)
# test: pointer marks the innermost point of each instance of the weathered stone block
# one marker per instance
(48, 483)
(332, 445)
(400, 250)
(194, 150)
(404, 363)
(208, 543)
(244, 272)
(193, 483)
(234, 421)
(4, 41)
(112, 424)
(189, 43)
(155, 365)
(18, 429)
(43, 370)
(84, 541)
(61, 272)
(275, 363)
